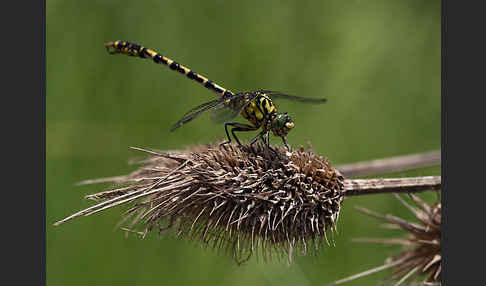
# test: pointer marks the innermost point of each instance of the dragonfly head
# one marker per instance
(282, 124)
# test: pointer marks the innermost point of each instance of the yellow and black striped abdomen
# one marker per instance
(260, 111)
(131, 49)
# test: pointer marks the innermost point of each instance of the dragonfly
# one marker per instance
(256, 106)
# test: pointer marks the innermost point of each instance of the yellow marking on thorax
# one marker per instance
(269, 106)
(253, 114)
(258, 114)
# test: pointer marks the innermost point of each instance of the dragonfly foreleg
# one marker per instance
(286, 144)
(266, 141)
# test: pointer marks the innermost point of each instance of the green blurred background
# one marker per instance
(377, 63)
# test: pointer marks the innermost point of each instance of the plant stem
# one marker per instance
(391, 165)
(391, 185)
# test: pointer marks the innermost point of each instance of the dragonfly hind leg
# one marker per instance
(235, 126)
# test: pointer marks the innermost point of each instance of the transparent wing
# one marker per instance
(202, 106)
(227, 111)
(278, 95)
(223, 113)
(196, 111)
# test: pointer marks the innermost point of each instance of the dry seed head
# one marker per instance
(420, 261)
(245, 202)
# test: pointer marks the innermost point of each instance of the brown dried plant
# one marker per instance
(420, 261)
(240, 200)
(235, 200)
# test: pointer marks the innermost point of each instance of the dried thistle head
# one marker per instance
(231, 198)
(420, 261)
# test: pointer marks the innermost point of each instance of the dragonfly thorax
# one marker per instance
(260, 111)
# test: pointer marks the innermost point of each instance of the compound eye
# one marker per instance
(289, 125)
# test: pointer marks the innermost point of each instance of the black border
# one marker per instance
(23, 141)
(443, 242)
(43, 140)
(462, 241)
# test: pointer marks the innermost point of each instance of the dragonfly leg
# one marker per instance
(235, 126)
(266, 140)
(259, 136)
(267, 143)
(286, 144)
(254, 140)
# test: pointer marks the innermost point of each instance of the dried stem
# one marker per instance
(367, 272)
(392, 185)
(391, 165)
